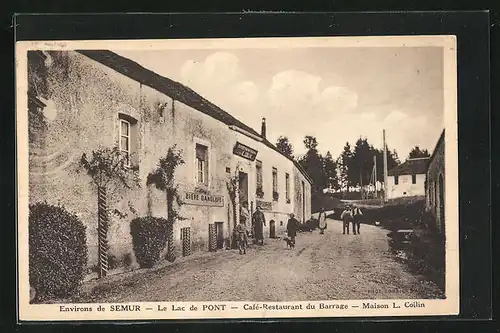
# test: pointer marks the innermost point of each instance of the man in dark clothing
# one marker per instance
(258, 223)
(346, 218)
(292, 227)
(356, 216)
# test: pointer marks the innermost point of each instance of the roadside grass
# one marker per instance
(425, 254)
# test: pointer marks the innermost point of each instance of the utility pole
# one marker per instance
(385, 169)
(375, 176)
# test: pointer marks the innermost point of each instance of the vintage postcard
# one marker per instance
(237, 178)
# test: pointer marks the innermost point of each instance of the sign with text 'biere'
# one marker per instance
(202, 199)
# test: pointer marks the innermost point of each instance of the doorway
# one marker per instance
(272, 229)
(441, 203)
(219, 231)
(243, 185)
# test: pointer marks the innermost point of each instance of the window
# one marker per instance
(275, 184)
(275, 180)
(258, 170)
(128, 139)
(287, 187)
(396, 180)
(413, 179)
(202, 164)
(125, 147)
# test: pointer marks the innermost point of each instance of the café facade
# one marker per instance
(96, 99)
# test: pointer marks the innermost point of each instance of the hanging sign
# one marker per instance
(201, 199)
(244, 151)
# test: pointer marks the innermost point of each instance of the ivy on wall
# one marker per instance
(163, 178)
(106, 167)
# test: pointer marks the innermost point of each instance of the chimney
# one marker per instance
(263, 128)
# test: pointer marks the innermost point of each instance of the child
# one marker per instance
(322, 221)
(241, 236)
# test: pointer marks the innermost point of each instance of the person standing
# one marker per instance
(241, 232)
(346, 218)
(291, 228)
(245, 217)
(244, 213)
(356, 219)
(258, 222)
(322, 221)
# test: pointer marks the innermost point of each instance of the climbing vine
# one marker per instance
(105, 167)
(163, 178)
(232, 185)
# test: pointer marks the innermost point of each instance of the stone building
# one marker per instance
(81, 101)
(407, 179)
(435, 185)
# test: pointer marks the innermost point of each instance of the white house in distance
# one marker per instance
(407, 179)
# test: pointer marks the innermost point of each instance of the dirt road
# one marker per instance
(321, 267)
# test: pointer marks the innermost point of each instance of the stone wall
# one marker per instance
(435, 187)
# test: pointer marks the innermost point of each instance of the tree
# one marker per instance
(416, 152)
(310, 142)
(284, 146)
(392, 161)
(362, 162)
(356, 165)
(330, 170)
(163, 178)
(344, 163)
(312, 162)
(107, 167)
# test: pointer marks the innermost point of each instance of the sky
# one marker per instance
(336, 94)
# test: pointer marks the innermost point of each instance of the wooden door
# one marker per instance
(220, 234)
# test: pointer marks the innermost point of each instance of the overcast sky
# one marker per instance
(334, 94)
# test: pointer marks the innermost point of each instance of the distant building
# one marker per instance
(98, 99)
(435, 185)
(407, 179)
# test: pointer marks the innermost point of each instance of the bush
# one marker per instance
(149, 237)
(309, 225)
(57, 250)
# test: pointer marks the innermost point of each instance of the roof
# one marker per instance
(297, 165)
(175, 90)
(439, 142)
(412, 166)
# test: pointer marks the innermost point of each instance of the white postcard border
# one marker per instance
(354, 308)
